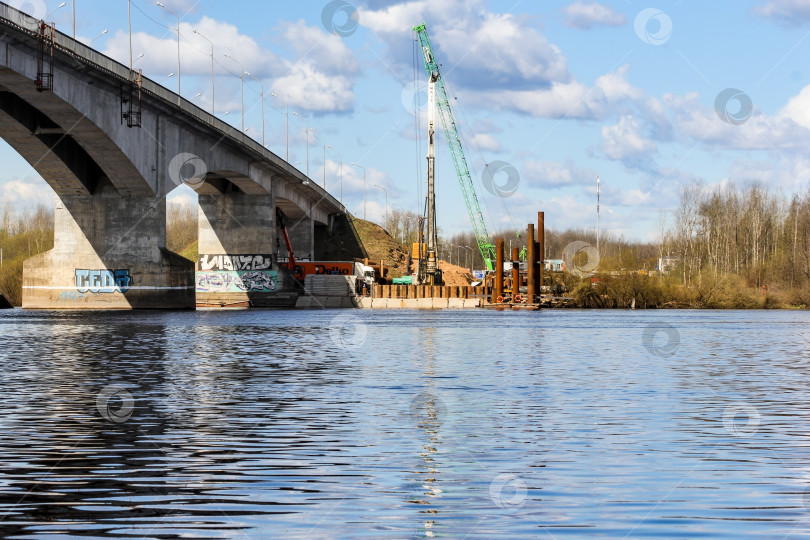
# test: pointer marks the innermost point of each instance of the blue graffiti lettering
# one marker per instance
(103, 281)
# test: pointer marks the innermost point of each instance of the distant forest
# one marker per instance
(728, 247)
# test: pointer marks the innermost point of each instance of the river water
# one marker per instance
(405, 424)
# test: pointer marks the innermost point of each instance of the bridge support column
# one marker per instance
(237, 241)
(109, 253)
(302, 238)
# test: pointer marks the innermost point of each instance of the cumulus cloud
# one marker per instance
(553, 174)
(28, 191)
(477, 51)
(574, 99)
(785, 131)
(160, 52)
(327, 51)
(624, 142)
(786, 11)
(790, 175)
(484, 141)
(307, 88)
(471, 41)
(320, 76)
(585, 15)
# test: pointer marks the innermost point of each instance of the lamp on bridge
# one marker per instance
(178, 48)
(212, 69)
(242, 77)
(60, 6)
(262, 96)
(364, 188)
(98, 36)
(287, 115)
(341, 169)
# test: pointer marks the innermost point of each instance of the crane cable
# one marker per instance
(415, 108)
(483, 159)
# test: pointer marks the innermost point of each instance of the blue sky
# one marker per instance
(562, 91)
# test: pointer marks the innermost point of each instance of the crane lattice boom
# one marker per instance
(457, 151)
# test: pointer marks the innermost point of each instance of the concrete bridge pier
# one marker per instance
(109, 253)
(302, 237)
(236, 265)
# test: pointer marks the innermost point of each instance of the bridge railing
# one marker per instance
(28, 25)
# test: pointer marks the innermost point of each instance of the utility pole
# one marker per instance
(597, 216)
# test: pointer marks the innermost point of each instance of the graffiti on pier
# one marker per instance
(103, 281)
(230, 263)
(258, 281)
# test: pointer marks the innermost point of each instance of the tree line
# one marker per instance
(729, 246)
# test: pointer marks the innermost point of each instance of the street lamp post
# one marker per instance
(178, 47)
(73, 6)
(364, 188)
(341, 170)
(129, 22)
(307, 132)
(60, 6)
(468, 251)
(212, 69)
(287, 117)
(242, 77)
(386, 198)
(98, 36)
(169, 76)
(262, 94)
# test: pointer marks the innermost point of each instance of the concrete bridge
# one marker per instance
(112, 147)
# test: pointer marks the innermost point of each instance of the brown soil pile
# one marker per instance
(454, 275)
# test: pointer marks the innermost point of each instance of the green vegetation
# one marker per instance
(22, 235)
(729, 247)
(181, 230)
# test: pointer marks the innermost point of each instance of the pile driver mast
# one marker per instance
(437, 100)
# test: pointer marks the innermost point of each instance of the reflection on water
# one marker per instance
(265, 424)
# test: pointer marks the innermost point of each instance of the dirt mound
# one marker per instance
(380, 246)
(454, 275)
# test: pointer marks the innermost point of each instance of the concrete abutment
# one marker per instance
(237, 261)
(109, 253)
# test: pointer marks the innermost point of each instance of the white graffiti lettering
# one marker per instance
(231, 263)
(259, 281)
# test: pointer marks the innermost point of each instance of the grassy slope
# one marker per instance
(380, 246)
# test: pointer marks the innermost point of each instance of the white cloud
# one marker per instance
(798, 108)
(789, 175)
(306, 88)
(784, 132)
(31, 191)
(786, 11)
(553, 174)
(470, 41)
(160, 53)
(320, 77)
(326, 51)
(484, 141)
(585, 15)
(574, 99)
(499, 60)
(624, 142)
(487, 44)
